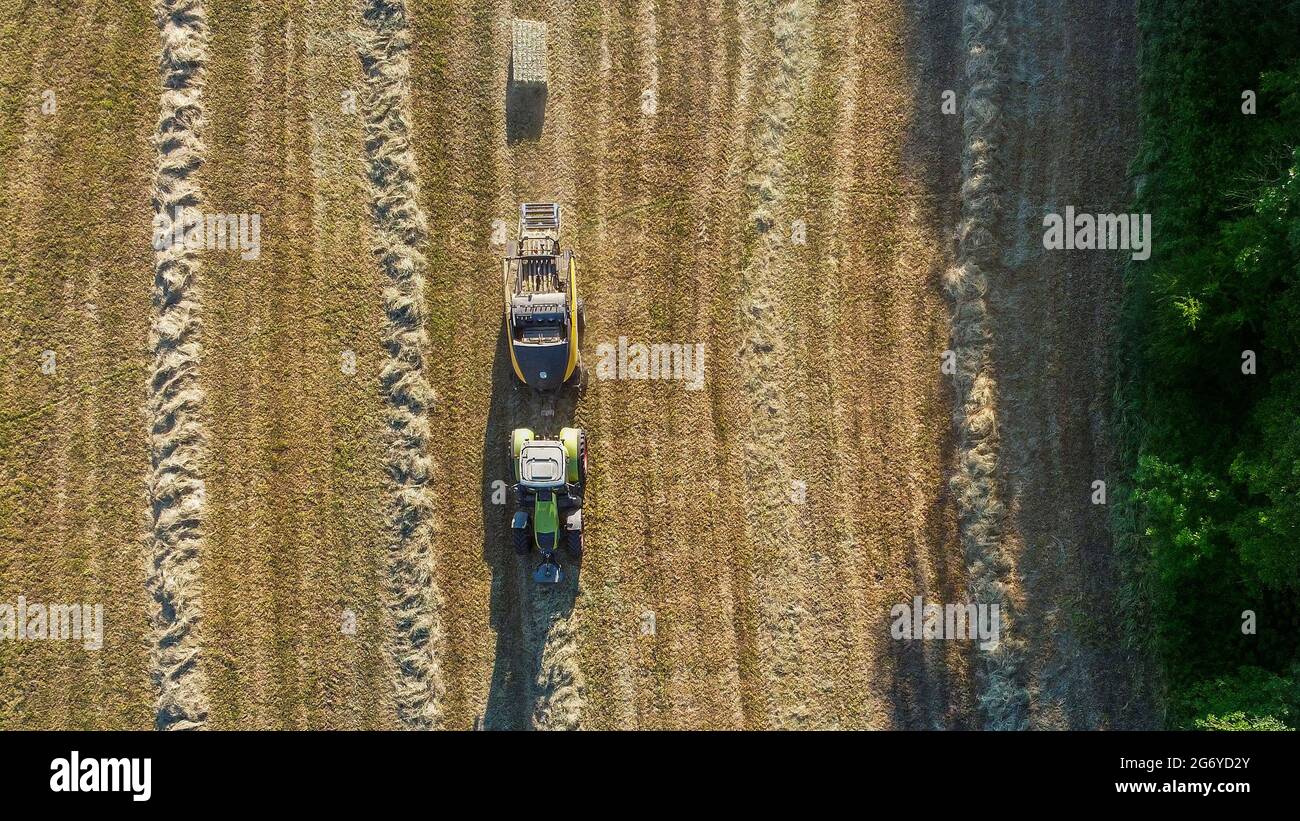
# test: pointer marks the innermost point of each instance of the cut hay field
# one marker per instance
(298, 524)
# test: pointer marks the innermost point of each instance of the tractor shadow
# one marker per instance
(525, 112)
(521, 610)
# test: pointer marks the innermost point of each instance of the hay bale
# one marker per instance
(527, 52)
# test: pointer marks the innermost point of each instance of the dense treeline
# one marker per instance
(1210, 363)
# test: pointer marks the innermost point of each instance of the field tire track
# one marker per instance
(177, 434)
(400, 229)
(1003, 700)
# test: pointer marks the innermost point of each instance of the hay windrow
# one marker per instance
(557, 696)
(399, 232)
(762, 354)
(177, 434)
(1003, 699)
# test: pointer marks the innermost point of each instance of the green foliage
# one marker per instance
(1213, 506)
(1248, 699)
(1267, 529)
(1182, 506)
(1239, 721)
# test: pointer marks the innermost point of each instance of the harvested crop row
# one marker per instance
(530, 677)
(177, 433)
(1002, 696)
(689, 514)
(543, 171)
(646, 605)
(453, 98)
(400, 230)
(770, 526)
(557, 687)
(75, 296)
(614, 258)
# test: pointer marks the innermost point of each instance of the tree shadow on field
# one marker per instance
(931, 685)
(521, 610)
(926, 687)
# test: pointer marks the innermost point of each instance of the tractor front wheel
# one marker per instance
(521, 540)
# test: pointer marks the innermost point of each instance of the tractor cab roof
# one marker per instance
(542, 464)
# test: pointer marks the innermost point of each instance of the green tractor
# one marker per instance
(549, 479)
